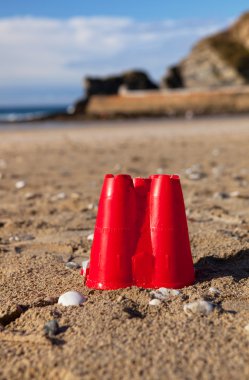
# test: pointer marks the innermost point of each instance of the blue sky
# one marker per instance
(138, 9)
(47, 47)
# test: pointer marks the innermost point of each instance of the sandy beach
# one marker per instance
(50, 180)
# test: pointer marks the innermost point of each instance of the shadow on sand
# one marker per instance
(210, 267)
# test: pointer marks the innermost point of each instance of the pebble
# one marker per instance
(29, 196)
(194, 173)
(21, 238)
(164, 293)
(217, 171)
(155, 302)
(58, 197)
(214, 291)
(75, 196)
(247, 328)
(20, 184)
(51, 328)
(120, 298)
(198, 307)
(235, 194)
(90, 237)
(72, 265)
(221, 195)
(71, 298)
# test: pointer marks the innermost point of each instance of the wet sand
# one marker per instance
(45, 223)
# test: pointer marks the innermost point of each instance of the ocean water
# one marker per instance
(21, 113)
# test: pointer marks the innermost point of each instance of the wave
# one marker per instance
(15, 114)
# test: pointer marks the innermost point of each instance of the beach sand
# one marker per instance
(45, 223)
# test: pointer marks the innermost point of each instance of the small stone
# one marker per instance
(51, 328)
(169, 292)
(75, 196)
(164, 293)
(50, 300)
(247, 328)
(214, 291)
(30, 196)
(217, 171)
(21, 238)
(221, 195)
(235, 194)
(90, 237)
(155, 302)
(72, 265)
(194, 173)
(90, 206)
(20, 184)
(120, 298)
(71, 298)
(58, 197)
(198, 307)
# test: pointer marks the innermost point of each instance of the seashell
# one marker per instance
(155, 302)
(20, 185)
(71, 298)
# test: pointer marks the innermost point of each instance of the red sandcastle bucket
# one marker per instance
(141, 235)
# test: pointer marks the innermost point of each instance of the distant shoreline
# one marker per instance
(170, 104)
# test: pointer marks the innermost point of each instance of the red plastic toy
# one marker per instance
(141, 235)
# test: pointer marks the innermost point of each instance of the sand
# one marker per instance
(46, 223)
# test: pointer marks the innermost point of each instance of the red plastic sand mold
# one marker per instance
(141, 235)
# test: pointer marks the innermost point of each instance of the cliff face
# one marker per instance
(219, 60)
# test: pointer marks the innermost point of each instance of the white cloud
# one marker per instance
(40, 51)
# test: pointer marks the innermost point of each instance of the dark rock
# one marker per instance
(51, 328)
(137, 80)
(131, 80)
(99, 86)
(173, 78)
(133, 312)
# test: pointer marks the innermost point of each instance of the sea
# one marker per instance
(25, 113)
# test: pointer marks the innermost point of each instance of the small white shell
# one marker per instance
(198, 307)
(155, 302)
(20, 184)
(71, 298)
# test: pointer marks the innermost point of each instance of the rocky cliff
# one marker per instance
(130, 80)
(219, 60)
